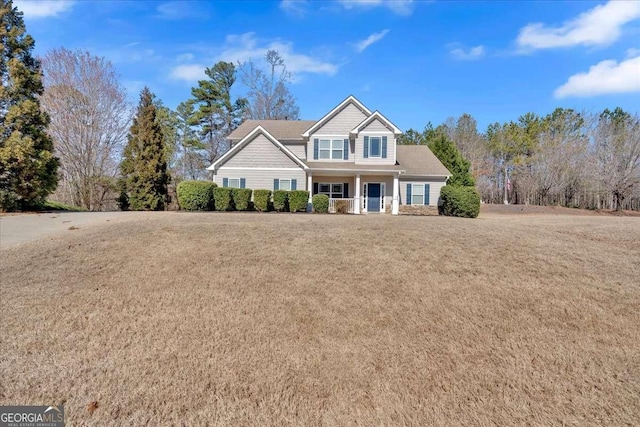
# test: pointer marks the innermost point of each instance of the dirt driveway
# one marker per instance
(23, 228)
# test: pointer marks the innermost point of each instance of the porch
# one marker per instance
(357, 193)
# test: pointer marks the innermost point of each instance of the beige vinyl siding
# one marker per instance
(343, 122)
(382, 179)
(337, 180)
(391, 149)
(299, 149)
(435, 185)
(260, 152)
(261, 179)
(375, 126)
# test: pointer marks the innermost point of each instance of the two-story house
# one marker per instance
(349, 154)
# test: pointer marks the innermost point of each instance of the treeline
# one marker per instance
(567, 158)
(68, 126)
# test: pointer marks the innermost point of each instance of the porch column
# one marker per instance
(310, 190)
(356, 199)
(395, 204)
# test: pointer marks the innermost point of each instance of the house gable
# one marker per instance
(376, 122)
(259, 149)
(341, 119)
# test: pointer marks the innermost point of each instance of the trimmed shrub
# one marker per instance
(342, 206)
(222, 199)
(262, 200)
(280, 200)
(460, 201)
(298, 200)
(195, 195)
(320, 203)
(241, 198)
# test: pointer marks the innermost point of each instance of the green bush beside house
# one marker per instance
(320, 203)
(196, 195)
(460, 201)
(222, 199)
(241, 198)
(262, 200)
(280, 200)
(298, 200)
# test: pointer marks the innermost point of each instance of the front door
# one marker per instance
(373, 198)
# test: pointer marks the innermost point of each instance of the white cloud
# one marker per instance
(294, 7)
(633, 52)
(607, 77)
(471, 54)
(400, 7)
(599, 26)
(185, 57)
(375, 37)
(188, 72)
(176, 10)
(246, 46)
(43, 8)
(242, 47)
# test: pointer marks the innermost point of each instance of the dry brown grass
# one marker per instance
(259, 319)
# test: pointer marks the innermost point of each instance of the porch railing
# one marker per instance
(342, 205)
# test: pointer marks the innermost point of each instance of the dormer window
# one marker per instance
(375, 146)
(375, 143)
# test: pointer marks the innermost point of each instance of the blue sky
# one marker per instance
(415, 61)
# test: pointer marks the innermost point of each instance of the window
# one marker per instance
(375, 143)
(375, 146)
(417, 194)
(285, 184)
(334, 191)
(233, 182)
(331, 149)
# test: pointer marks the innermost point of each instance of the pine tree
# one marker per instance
(215, 114)
(446, 151)
(28, 168)
(144, 164)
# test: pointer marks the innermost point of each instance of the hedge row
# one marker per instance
(196, 195)
(460, 201)
(206, 196)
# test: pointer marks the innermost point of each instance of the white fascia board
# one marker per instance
(376, 115)
(249, 137)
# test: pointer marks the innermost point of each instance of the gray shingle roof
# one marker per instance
(282, 130)
(419, 160)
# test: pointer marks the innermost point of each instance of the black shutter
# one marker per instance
(315, 188)
(345, 190)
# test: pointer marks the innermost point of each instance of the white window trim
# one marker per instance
(379, 156)
(330, 193)
(331, 138)
(331, 148)
(229, 180)
(284, 180)
(413, 193)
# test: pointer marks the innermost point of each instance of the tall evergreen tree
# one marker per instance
(144, 164)
(216, 114)
(28, 168)
(446, 151)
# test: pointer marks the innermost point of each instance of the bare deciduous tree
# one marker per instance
(617, 150)
(89, 121)
(269, 96)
